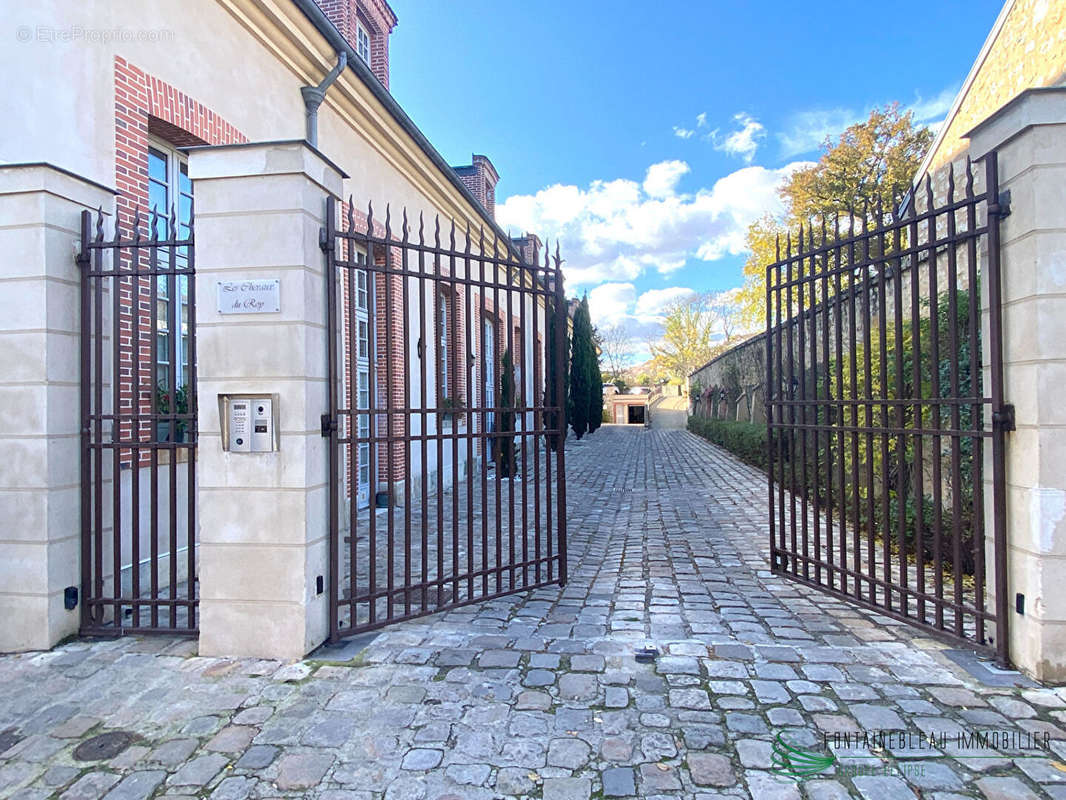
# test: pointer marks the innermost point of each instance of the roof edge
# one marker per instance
(318, 18)
(941, 135)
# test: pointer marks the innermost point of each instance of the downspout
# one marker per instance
(314, 95)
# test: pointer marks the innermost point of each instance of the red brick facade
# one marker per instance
(480, 177)
(376, 18)
(146, 105)
(387, 316)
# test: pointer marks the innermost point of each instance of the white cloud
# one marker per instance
(933, 108)
(743, 141)
(681, 132)
(808, 130)
(610, 303)
(641, 314)
(620, 229)
(661, 179)
(655, 301)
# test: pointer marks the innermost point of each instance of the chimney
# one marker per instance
(480, 177)
(529, 247)
(366, 25)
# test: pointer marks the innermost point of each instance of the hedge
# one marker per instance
(748, 442)
(745, 440)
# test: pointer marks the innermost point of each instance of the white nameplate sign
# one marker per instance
(249, 297)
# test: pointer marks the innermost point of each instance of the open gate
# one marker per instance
(138, 415)
(883, 419)
(446, 371)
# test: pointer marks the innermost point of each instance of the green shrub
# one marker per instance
(745, 440)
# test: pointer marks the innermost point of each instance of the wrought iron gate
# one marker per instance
(138, 414)
(880, 410)
(445, 412)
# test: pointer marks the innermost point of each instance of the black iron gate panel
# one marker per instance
(880, 410)
(138, 416)
(445, 412)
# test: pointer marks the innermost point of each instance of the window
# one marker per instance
(362, 43)
(364, 430)
(361, 307)
(517, 356)
(170, 191)
(361, 318)
(443, 352)
(360, 283)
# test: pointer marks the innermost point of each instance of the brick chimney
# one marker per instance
(366, 25)
(480, 177)
(529, 246)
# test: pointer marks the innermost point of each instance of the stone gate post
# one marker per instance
(40, 324)
(1029, 135)
(263, 515)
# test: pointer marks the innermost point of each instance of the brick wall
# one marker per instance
(376, 17)
(480, 177)
(147, 105)
(393, 347)
(388, 378)
(529, 247)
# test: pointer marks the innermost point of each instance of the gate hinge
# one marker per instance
(323, 240)
(1001, 207)
(1003, 420)
(329, 426)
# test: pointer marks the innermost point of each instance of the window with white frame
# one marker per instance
(170, 196)
(362, 366)
(443, 353)
(517, 359)
(362, 43)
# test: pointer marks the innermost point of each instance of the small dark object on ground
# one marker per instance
(648, 653)
(103, 747)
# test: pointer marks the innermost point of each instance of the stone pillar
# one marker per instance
(40, 479)
(263, 516)
(1029, 135)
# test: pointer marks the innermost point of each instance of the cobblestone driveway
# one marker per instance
(540, 696)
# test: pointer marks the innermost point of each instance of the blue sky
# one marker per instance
(647, 136)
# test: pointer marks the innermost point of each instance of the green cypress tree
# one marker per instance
(505, 460)
(582, 364)
(596, 396)
(551, 421)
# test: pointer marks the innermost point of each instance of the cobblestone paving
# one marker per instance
(540, 695)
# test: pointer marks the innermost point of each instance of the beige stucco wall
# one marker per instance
(1029, 50)
(263, 516)
(40, 533)
(1030, 137)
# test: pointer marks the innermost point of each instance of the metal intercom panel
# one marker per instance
(249, 422)
(262, 425)
(240, 426)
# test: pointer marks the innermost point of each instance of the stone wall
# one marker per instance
(1026, 50)
(731, 385)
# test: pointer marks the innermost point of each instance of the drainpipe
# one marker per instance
(314, 95)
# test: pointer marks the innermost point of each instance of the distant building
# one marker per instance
(628, 408)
